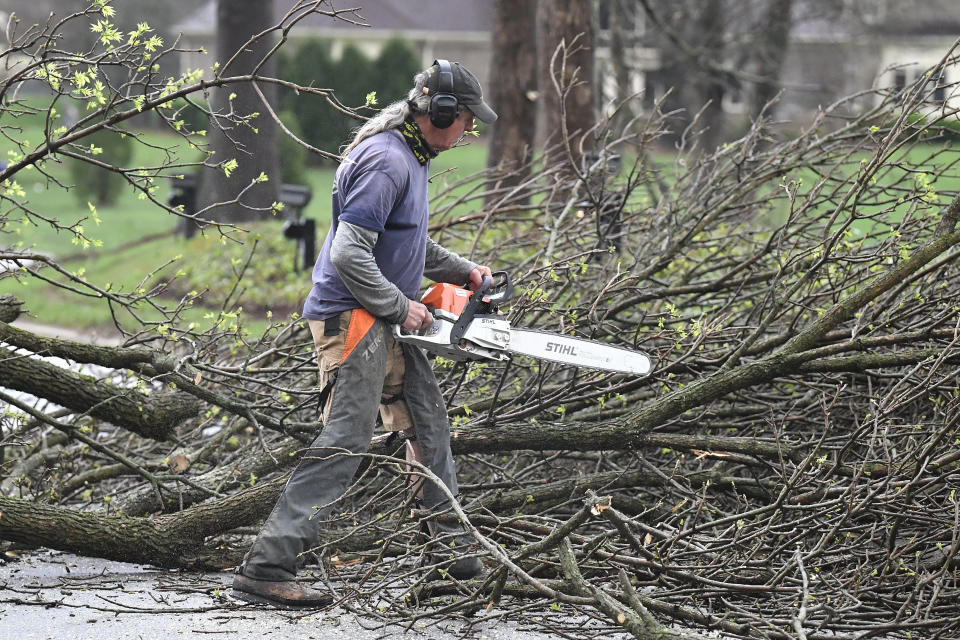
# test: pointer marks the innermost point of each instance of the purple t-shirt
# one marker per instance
(379, 186)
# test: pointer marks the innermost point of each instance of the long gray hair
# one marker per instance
(393, 115)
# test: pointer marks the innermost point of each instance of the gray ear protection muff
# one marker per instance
(444, 105)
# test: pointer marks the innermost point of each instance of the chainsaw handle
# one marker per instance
(504, 288)
(483, 288)
(474, 305)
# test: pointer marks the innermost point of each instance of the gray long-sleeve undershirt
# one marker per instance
(352, 256)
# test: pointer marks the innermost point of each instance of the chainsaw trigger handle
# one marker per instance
(485, 287)
(478, 303)
(503, 289)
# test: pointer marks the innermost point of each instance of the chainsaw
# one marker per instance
(467, 326)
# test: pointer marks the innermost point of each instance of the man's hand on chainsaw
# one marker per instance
(418, 317)
(477, 275)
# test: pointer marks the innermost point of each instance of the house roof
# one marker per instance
(814, 20)
(463, 16)
(926, 17)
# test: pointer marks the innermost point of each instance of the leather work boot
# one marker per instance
(452, 553)
(279, 593)
(465, 568)
(448, 546)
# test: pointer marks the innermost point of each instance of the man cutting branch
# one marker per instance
(366, 279)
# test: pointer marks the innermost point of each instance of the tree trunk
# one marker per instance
(104, 356)
(177, 540)
(513, 94)
(152, 416)
(145, 500)
(622, 18)
(252, 144)
(565, 48)
(771, 49)
(709, 90)
(166, 541)
(692, 55)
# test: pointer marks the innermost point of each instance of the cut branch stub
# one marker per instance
(9, 308)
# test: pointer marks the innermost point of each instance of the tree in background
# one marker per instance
(293, 156)
(243, 179)
(692, 44)
(565, 52)
(356, 77)
(773, 23)
(353, 73)
(393, 70)
(620, 18)
(514, 94)
(310, 64)
(94, 182)
(710, 49)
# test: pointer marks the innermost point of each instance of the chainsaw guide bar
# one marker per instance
(467, 327)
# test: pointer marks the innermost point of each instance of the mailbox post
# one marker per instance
(185, 195)
(296, 227)
(295, 198)
(304, 231)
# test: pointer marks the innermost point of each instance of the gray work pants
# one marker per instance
(324, 473)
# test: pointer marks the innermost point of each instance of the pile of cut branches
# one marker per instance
(788, 470)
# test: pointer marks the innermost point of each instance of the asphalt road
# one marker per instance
(47, 595)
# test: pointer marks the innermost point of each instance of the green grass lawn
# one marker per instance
(105, 244)
(921, 179)
(131, 238)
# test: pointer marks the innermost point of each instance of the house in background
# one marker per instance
(453, 29)
(835, 49)
(881, 44)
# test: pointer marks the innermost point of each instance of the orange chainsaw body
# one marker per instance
(447, 297)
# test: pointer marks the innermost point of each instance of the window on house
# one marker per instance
(899, 80)
(630, 15)
(939, 82)
(603, 16)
